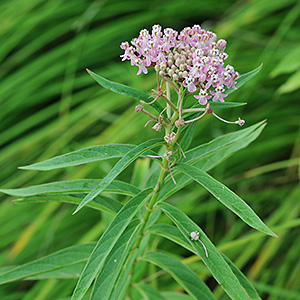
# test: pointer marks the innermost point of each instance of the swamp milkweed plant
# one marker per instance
(192, 81)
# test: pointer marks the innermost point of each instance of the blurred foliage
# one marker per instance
(49, 105)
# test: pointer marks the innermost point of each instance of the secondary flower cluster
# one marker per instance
(193, 58)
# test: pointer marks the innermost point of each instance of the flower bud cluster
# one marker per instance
(192, 58)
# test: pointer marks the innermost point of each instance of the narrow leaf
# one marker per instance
(198, 152)
(82, 156)
(121, 165)
(191, 283)
(67, 256)
(173, 233)
(176, 296)
(125, 90)
(101, 203)
(106, 279)
(214, 105)
(149, 292)
(225, 105)
(242, 279)
(72, 186)
(66, 272)
(107, 242)
(215, 262)
(124, 278)
(188, 136)
(207, 156)
(243, 79)
(226, 197)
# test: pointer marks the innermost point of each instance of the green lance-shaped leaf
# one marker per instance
(176, 296)
(82, 156)
(226, 197)
(101, 203)
(197, 153)
(107, 242)
(187, 138)
(173, 233)
(225, 105)
(149, 292)
(121, 165)
(215, 262)
(72, 186)
(124, 279)
(191, 283)
(125, 90)
(107, 277)
(66, 272)
(207, 156)
(242, 279)
(67, 256)
(243, 79)
(214, 105)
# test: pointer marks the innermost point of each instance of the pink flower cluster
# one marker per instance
(193, 58)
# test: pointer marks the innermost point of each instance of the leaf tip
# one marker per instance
(274, 235)
(88, 70)
(79, 207)
(75, 212)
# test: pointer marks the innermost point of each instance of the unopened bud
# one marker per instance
(184, 74)
(162, 73)
(157, 127)
(175, 77)
(182, 67)
(168, 153)
(170, 137)
(162, 65)
(160, 119)
(139, 107)
(171, 72)
(240, 122)
(194, 236)
(221, 44)
(179, 123)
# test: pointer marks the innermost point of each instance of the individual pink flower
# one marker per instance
(142, 67)
(190, 84)
(221, 44)
(212, 81)
(202, 97)
(218, 94)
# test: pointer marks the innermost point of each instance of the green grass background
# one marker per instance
(49, 105)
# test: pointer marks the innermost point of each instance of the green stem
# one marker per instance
(169, 103)
(152, 201)
(167, 99)
(193, 110)
(149, 114)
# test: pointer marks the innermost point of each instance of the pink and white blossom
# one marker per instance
(202, 97)
(193, 58)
